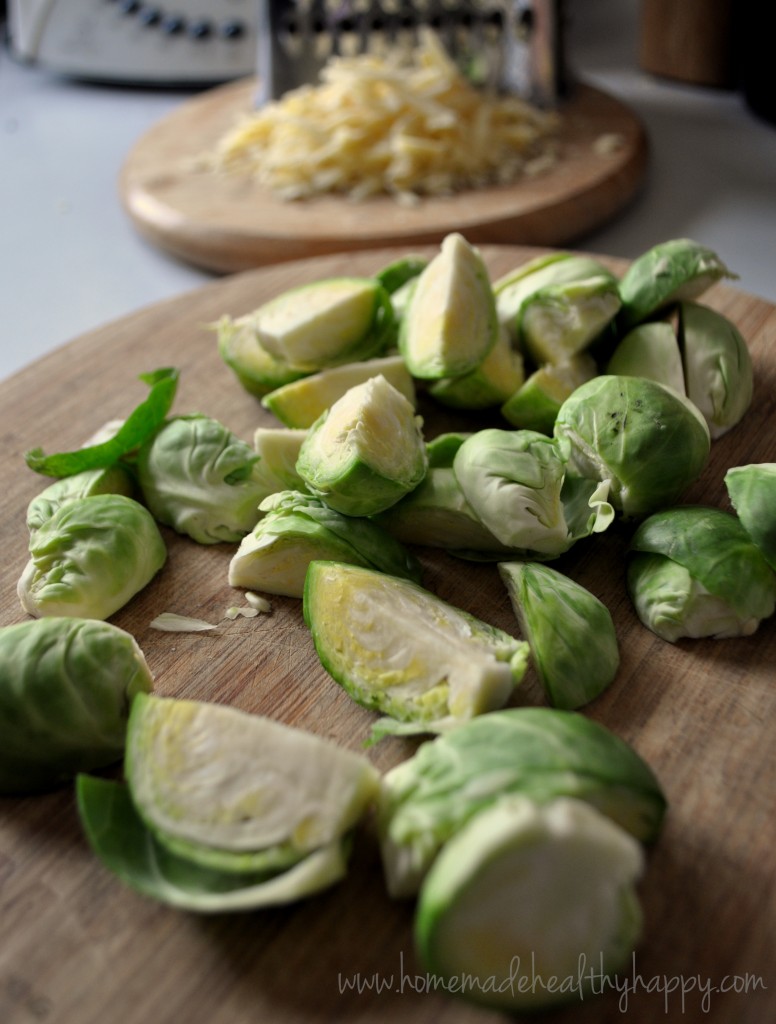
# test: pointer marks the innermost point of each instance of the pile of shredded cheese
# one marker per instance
(403, 124)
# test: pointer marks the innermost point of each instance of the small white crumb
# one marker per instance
(234, 612)
(257, 601)
(170, 622)
(608, 143)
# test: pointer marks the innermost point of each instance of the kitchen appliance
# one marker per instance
(137, 42)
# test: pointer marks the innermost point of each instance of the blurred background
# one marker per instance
(71, 259)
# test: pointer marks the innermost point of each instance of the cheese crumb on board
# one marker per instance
(406, 125)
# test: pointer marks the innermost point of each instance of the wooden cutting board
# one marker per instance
(229, 223)
(77, 947)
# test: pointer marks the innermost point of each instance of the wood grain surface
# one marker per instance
(229, 223)
(77, 947)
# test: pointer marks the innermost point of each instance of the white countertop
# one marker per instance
(70, 259)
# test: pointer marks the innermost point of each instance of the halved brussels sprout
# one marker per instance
(199, 478)
(365, 452)
(498, 376)
(327, 323)
(450, 324)
(695, 572)
(298, 529)
(570, 632)
(300, 403)
(90, 557)
(115, 479)
(535, 404)
(540, 753)
(222, 778)
(650, 350)
(522, 897)
(399, 649)
(555, 268)
(752, 491)
(514, 480)
(645, 438)
(255, 368)
(121, 841)
(669, 272)
(65, 689)
(717, 366)
(562, 320)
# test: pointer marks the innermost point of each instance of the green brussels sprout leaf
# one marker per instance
(752, 491)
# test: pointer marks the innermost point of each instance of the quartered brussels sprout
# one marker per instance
(752, 491)
(450, 324)
(650, 350)
(327, 323)
(496, 378)
(300, 403)
(240, 347)
(550, 269)
(539, 753)
(514, 480)
(224, 810)
(670, 272)
(649, 441)
(436, 514)
(199, 478)
(535, 404)
(397, 648)
(115, 479)
(65, 689)
(90, 557)
(365, 452)
(718, 367)
(695, 572)
(561, 320)
(570, 632)
(527, 901)
(298, 529)
(278, 451)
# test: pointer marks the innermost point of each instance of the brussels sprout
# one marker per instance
(561, 320)
(278, 452)
(535, 404)
(199, 478)
(65, 689)
(496, 378)
(718, 366)
(399, 649)
(297, 529)
(557, 882)
(436, 514)
(398, 273)
(90, 557)
(215, 776)
(514, 481)
(451, 324)
(115, 479)
(241, 350)
(442, 448)
(119, 838)
(650, 350)
(327, 323)
(555, 268)
(695, 572)
(300, 403)
(570, 632)
(366, 451)
(649, 441)
(669, 272)
(540, 753)
(752, 491)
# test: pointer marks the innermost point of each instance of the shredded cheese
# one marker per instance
(403, 124)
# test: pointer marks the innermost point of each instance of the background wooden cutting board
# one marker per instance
(229, 223)
(76, 947)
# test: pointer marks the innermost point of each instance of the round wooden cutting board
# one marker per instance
(79, 947)
(228, 223)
